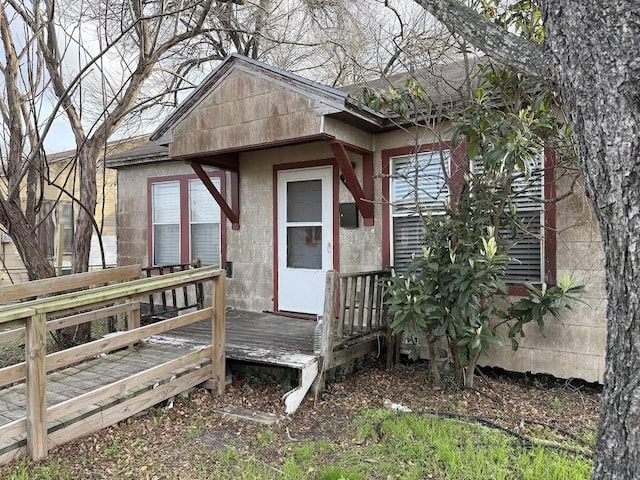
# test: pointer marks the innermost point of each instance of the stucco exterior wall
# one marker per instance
(251, 249)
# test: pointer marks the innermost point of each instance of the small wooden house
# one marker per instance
(280, 179)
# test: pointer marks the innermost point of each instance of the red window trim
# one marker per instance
(183, 181)
(458, 167)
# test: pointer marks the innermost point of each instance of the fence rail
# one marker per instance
(34, 318)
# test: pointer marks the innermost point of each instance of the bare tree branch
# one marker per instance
(507, 48)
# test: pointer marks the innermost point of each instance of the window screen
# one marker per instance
(528, 245)
(418, 184)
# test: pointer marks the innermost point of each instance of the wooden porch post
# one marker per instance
(218, 341)
(329, 319)
(35, 358)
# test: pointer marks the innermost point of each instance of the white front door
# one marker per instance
(305, 238)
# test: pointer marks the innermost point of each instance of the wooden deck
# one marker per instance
(52, 398)
(252, 330)
(260, 338)
(251, 336)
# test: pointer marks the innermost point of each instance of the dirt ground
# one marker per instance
(173, 437)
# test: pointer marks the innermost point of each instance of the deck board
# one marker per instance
(289, 342)
(254, 329)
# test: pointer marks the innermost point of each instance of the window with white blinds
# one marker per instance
(204, 220)
(166, 223)
(528, 240)
(418, 184)
(202, 215)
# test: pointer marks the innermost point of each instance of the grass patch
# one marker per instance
(22, 470)
(380, 444)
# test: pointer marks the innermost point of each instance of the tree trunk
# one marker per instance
(595, 48)
(88, 199)
(70, 336)
(26, 242)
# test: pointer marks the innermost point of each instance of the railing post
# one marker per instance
(218, 311)
(328, 329)
(329, 318)
(35, 358)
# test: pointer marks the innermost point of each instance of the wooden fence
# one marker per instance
(32, 320)
(354, 319)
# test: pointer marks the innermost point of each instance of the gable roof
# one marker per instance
(443, 85)
(338, 102)
(145, 153)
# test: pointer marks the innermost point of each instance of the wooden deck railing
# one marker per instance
(32, 321)
(162, 305)
(354, 315)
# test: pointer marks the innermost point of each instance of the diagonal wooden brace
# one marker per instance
(364, 202)
(232, 214)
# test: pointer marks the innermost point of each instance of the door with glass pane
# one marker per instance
(305, 238)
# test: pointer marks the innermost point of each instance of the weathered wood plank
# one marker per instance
(14, 428)
(121, 339)
(17, 450)
(123, 410)
(371, 289)
(332, 286)
(129, 290)
(357, 350)
(218, 333)
(271, 357)
(293, 398)
(361, 284)
(350, 306)
(13, 373)
(261, 418)
(127, 384)
(49, 286)
(35, 352)
(72, 320)
(12, 313)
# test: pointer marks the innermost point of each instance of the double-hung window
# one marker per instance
(185, 222)
(166, 223)
(204, 223)
(527, 237)
(527, 251)
(418, 187)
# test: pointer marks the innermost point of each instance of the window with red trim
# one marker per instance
(420, 183)
(185, 222)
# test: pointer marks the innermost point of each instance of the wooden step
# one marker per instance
(307, 364)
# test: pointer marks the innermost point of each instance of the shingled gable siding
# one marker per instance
(244, 110)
